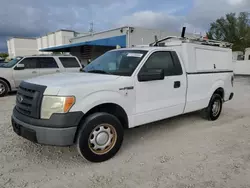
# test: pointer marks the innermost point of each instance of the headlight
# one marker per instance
(55, 104)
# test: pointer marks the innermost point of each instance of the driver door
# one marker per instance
(31, 69)
(160, 99)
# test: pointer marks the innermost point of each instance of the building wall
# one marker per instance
(11, 48)
(22, 47)
(96, 36)
(66, 36)
(12, 44)
(55, 39)
(58, 36)
(27, 46)
(45, 42)
(39, 42)
(51, 40)
(40, 45)
(139, 35)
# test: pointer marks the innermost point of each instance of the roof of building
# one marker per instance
(100, 32)
(32, 38)
(111, 41)
(67, 30)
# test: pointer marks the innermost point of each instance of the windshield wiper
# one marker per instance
(98, 71)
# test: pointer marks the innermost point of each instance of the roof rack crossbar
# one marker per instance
(202, 41)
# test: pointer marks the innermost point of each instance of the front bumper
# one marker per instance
(59, 130)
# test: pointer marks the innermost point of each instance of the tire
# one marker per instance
(211, 113)
(95, 133)
(3, 88)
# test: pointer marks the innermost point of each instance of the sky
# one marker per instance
(33, 18)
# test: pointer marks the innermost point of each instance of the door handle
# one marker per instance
(34, 72)
(177, 84)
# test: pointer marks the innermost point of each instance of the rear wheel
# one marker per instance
(213, 111)
(100, 137)
(3, 88)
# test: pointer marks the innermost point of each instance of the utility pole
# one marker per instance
(91, 28)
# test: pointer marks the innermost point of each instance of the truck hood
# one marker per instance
(55, 82)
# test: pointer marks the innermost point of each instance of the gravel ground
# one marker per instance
(183, 152)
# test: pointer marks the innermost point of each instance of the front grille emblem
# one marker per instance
(19, 98)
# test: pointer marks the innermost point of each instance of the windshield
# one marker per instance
(120, 62)
(11, 63)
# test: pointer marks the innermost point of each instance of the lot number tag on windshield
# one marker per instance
(134, 55)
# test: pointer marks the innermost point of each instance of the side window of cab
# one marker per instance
(166, 60)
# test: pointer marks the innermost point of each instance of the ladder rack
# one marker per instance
(201, 41)
(197, 40)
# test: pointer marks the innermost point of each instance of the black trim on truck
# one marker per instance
(27, 133)
(44, 135)
(211, 72)
(29, 98)
(127, 88)
(70, 119)
(231, 96)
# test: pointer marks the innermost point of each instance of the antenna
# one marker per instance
(183, 32)
(91, 27)
(156, 39)
(156, 43)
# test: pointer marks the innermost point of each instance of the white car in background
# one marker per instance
(23, 68)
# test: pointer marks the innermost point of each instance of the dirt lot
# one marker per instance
(184, 152)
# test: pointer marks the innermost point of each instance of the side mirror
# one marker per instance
(151, 74)
(19, 67)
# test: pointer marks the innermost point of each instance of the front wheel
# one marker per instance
(3, 88)
(99, 137)
(213, 111)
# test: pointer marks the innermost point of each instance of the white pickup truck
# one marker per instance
(23, 68)
(121, 89)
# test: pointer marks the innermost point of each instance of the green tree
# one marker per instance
(4, 55)
(232, 28)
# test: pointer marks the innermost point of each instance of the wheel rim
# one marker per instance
(216, 108)
(2, 88)
(102, 139)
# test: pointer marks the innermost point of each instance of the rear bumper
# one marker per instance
(52, 134)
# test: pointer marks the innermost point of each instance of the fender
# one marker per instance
(216, 85)
(10, 83)
(101, 97)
